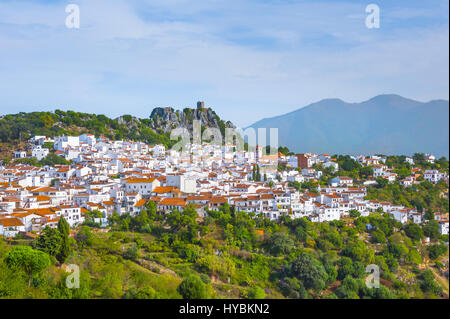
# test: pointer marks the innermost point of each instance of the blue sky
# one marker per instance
(247, 59)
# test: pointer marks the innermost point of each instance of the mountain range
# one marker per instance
(385, 124)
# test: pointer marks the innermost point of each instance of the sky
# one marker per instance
(247, 59)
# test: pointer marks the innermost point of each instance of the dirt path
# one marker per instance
(151, 265)
(331, 288)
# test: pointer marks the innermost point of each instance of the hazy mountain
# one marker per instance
(387, 124)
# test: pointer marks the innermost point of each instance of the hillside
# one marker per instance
(16, 129)
(232, 255)
(386, 124)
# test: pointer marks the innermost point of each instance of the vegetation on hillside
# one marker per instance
(231, 254)
(22, 126)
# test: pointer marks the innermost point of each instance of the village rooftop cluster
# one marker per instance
(123, 176)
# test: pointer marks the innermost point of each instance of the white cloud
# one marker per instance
(250, 60)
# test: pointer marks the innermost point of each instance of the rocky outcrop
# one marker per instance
(166, 118)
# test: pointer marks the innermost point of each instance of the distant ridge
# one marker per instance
(387, 124)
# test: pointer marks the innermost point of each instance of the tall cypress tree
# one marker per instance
(66, 249)
(258, 174)
(63, 227)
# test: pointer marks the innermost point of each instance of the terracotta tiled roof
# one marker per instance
(172, 202)
(11, 222)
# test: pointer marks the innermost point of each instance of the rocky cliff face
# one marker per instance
(165, 119)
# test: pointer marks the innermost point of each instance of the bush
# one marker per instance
(427, 283)
(192, 287)
(280, 244)
(432, 230)
(156, 270)
(84, 237)
(131, 253)
(354, 213)
(143, 293)
(414, 256)
(414, 231)
(378, 237)
(205, 278)
(435, 251)
(309, 271)
(256, 293)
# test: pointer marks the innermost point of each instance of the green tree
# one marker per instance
(280, 244)
(84, 237)
(358, 251)
(391, 262)
(429, 214)
(50, 241)
(397, 250)
(258, 173)
(52, 159)
(435, 251)
(48, 145)
(414, 256)
(192, 287)
(413, 231)
(256, 293)
(66, 248)
(382, 182)
(431, 230)
(63, 227)
(349, 268)
(143, 293)
(61, 291)
(378, 236)
(32, 262)
(309, 271)
(353, 213)
(131, 253)
(301, 234)
(348, 289)
(427, 282)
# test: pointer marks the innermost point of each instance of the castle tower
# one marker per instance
(200, 105)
